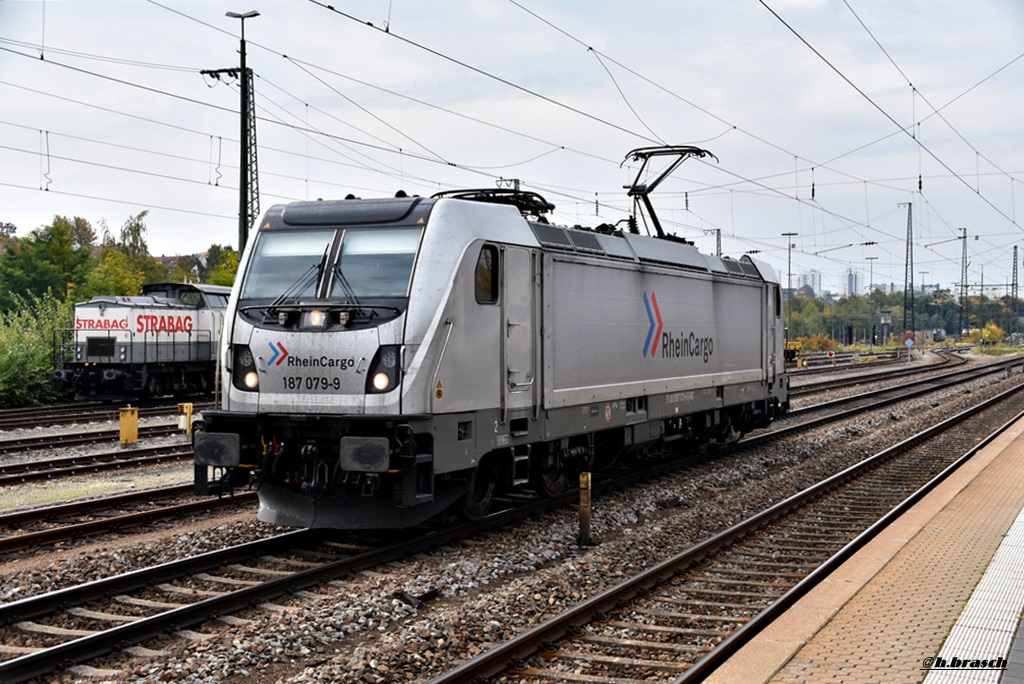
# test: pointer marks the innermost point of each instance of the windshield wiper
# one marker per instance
(315, 270)
(346, 287)
(349, 292)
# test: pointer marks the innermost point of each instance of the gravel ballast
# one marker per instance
(488, 589)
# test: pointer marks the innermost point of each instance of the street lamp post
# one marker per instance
(871, 289)
(789, 280)
(964, 316)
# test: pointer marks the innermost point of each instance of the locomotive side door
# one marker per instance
(773, 315)
(517, 334)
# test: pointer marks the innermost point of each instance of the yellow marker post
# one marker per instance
(185, 418)
(584, 538)
(129, 426)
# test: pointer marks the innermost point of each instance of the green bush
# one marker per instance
(818, 343)
(26, 349)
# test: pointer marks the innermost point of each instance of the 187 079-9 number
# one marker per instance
(311, 383)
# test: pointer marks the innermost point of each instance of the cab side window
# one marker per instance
(486, 276)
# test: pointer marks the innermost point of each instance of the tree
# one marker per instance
(67, 243)
(191, 267)
(182, 273)
(114, 275)
(227, 267)
(125, 265)
(50, 258)
(25, 272)
(27, 333)
(992, 334)
(7, 230)
(133, 244)
(213, 257)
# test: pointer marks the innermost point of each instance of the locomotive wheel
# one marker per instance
(480, 496)
(731, 436)
(549, 480)
(727, 433)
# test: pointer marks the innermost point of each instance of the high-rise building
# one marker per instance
(852, 282)
(811, 279)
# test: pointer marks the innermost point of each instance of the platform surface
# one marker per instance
(885, 614)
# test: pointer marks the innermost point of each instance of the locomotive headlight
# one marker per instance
(243, 373)
(315, 318)
(384, 371)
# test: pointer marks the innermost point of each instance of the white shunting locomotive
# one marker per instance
(162, 342)
(386, 359)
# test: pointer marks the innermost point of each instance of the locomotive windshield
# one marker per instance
(375, 263)
(353, 264)
(280, 258)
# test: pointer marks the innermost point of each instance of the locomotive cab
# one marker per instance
(313, 367)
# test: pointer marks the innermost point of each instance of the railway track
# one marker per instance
(819, 362)
(85, 622)
(873, 399)
(23, 444)
(39, 527)
(49, 469)
(63, 414)
(949, 360)
(679, 620)
(80, 623)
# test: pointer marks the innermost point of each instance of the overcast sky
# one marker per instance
(825, 115)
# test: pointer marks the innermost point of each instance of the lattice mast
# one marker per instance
(1013, 289)
(964, 302)
(248, 174)
(908, 278)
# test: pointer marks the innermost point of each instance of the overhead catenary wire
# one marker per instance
(917, 92)
(487, 74)
(739, 176)
(884, 113)
(588, 192)
(385, 148)
(742, 179)
(371, 114)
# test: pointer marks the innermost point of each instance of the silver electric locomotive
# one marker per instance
(386, 359)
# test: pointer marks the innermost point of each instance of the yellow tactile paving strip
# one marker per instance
(891, 606)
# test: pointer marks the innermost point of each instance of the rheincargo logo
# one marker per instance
(649, 346)
(673, 346)
(686, 346)
(278, 353)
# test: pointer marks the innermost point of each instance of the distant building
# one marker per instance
(811, 279)
(852, 282)
(169, 262)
